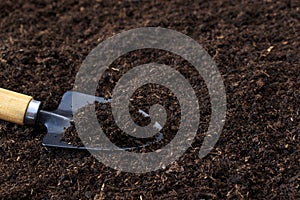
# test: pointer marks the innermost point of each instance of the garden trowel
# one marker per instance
(24, 110)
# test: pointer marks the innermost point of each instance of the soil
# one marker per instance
(255, 45)
(71, 136)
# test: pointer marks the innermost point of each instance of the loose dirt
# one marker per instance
(255, 45)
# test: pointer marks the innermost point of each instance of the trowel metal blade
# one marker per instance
(57, 121)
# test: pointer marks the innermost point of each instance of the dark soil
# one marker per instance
(256, 47)
(71, 136)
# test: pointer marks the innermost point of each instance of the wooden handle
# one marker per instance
(13, 106)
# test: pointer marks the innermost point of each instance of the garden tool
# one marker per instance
(24, 110)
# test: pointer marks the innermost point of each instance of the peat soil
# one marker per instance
(256, 47)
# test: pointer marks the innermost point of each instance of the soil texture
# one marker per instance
(256, 47)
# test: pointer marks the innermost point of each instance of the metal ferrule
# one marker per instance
(32, 112)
